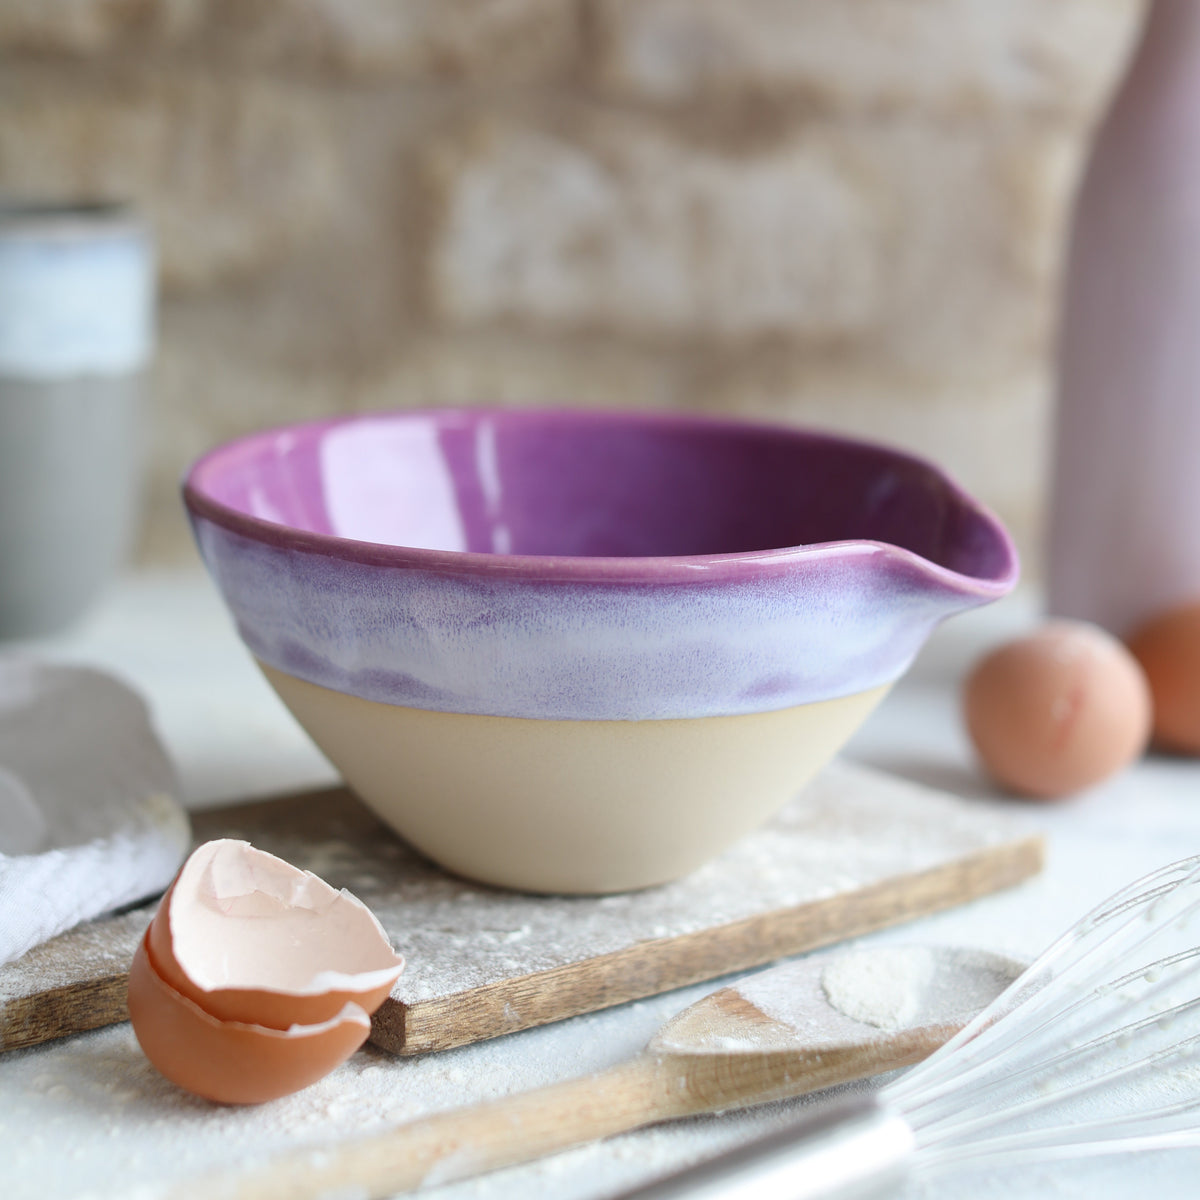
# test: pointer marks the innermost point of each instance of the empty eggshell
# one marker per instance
(249, 937)
(255, 978)
(1168, 648)
(1057, 711)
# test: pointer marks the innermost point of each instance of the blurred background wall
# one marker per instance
(840, 212)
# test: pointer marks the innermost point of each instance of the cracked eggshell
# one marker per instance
(229, 1061)
(255, 978)
(251, 938)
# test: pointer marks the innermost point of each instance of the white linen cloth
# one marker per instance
(89, 813)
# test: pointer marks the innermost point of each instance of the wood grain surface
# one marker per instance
(856, 851)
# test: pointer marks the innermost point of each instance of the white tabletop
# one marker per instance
(87, 1116)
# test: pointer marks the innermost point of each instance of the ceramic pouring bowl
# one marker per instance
(578, 652)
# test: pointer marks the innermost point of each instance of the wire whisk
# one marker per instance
(1093, 1050)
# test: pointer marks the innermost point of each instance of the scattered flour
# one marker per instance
(901, 987)
(851, 828)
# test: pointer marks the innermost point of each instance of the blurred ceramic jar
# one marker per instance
(1125, 512)
(76, 335)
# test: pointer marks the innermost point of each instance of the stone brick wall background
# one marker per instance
(839, 212)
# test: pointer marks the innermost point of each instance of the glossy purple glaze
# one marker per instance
(584, 565)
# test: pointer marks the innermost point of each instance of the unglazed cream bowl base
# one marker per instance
(571, 806)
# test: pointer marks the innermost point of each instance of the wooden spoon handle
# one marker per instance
(520, 1128)
(467, 1141)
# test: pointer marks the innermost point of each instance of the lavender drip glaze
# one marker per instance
(579, 565)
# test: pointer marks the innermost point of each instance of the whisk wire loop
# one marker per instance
(1057, 1143)
(940, 1108)
(946, 1132)
(1101, 1023)
(1076, 963)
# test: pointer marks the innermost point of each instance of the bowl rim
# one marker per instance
(660, 569)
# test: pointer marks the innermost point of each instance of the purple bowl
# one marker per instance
(573, 566)
(582, 565)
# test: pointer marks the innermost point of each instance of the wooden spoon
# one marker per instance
(796, 1028)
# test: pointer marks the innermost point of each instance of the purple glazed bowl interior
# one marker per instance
(579, 541)
(568, 485)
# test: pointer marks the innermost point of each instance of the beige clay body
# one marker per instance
(571, 806)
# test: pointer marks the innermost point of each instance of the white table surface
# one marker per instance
(87, 1116)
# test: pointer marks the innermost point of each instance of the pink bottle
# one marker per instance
(1125, 506)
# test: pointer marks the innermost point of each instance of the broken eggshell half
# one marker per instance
(255, 978)
(230, 1061)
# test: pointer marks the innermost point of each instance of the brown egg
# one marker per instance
(255, 978)
(1057, 711)
(1168, 648)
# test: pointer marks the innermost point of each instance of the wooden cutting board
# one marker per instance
(856, 851)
